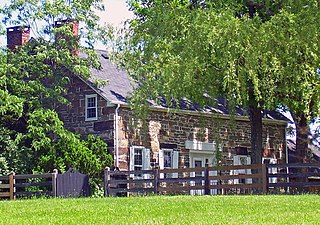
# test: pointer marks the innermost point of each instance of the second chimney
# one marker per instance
(74, 25)
(17, 36)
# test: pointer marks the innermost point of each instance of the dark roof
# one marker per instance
(119, 87)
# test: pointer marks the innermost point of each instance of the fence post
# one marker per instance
(156, 179)
(106, 181)
(264, 178)
(54, 182)
(206, 180)
(12, 183)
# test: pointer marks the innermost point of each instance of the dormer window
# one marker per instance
(91, 112)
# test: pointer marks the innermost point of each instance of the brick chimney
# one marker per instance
(17, 36)
(74, 26)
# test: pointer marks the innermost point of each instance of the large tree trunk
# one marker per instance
(256, 134)
(302, 137)
(256, 128)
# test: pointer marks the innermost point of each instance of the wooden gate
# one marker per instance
(72, 184)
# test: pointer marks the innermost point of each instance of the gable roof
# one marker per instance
(119, 88)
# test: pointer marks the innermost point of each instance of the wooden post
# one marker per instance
(12, 183)
(54, 182)
(206, 180)
(264, 178)
(156, 182)
(107, 181)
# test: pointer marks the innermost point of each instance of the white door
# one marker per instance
(201, 161)
(197, 162)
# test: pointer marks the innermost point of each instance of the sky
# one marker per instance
(116, 11)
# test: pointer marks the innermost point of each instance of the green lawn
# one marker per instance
(271, 209)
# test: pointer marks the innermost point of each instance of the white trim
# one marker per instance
(116, 132)
(163, 155)
(174, 155)
(145, 163)
(200, 146)
(241, 160)
(86, 107)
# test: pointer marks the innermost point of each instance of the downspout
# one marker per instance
(116, 133)
(287, 157)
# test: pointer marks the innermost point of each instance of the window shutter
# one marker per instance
(249, 180)
(236, 161)
(146, 159)
(175, 159)
(175, 162)
(161, 159)
(146, 162)
(131, 164)
(161, 162)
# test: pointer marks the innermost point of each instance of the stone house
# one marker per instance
(182, 138)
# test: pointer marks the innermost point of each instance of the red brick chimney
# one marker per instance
(74, 26)
(17, 36)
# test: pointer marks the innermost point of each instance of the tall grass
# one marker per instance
(268, 209)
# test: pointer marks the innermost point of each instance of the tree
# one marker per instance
(204, 49)
(295, 60)
(34, 78)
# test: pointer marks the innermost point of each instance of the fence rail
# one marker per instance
(70, 184)
(195, 181)
(300, 177)
(7, 186)
(14, 185)
(254, 178)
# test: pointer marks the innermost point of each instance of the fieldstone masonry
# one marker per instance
(165, 128)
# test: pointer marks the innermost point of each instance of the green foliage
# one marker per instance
(212, 53)
(33, 81)
(257, 54)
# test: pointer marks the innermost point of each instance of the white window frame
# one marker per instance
(170, 151)
(87, 108)
(174, 161)
(273, 170)
(140, 166)
(241, 160)
(145, 160)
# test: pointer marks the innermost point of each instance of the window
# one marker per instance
(91, 112)
(200, 134)
(242, 160)
(137, 159)
(168, 159)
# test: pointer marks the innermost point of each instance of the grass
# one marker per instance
(264, 209)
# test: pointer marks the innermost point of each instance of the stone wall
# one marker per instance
(176, 128)
(73, 115)
(163, 129)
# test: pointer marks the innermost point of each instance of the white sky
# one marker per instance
(116, 11)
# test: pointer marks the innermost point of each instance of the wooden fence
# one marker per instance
(70, 184)
(195, 181)
(7, 186)
(13, 186)
(242, 179)
(300, 177)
